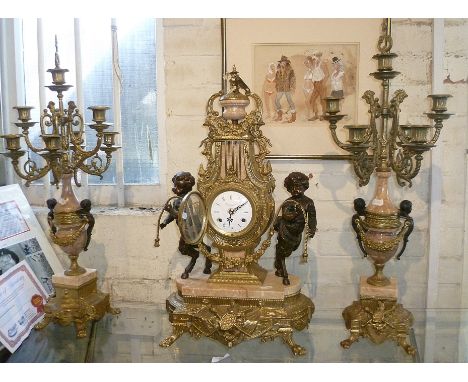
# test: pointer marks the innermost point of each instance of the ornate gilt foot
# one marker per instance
(81, 331)
(45, 321)
(354, 336)
(176, 333)
(379, 320)
(286, 335)
(404, 343)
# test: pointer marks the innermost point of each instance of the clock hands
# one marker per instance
(232, 211)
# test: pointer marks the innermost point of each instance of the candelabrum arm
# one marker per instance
(30, 144)
(31, 174)
(340, 144)
(82, 154)
(96, 167)
(406, 165)
(438, 127)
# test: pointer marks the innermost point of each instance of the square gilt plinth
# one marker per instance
(77, 301)
(378, 316)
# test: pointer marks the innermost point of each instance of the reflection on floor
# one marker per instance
(134, 336)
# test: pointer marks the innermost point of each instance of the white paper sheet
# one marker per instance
(22, 238)
(21, 304)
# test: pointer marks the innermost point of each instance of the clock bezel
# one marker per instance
(226, 188)
(204, 222)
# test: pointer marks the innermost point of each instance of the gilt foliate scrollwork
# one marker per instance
(379, 320)
(234, 321)
(251, 175)
(406, 166)
(62, 132)
(393, 146)
(364, 165)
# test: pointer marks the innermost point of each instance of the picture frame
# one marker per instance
(253, 44)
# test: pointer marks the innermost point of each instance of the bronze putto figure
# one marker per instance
(183, 183)
(297, 216)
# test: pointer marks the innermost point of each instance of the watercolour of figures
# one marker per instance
(293, 79)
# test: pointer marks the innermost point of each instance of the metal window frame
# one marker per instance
(119, 194)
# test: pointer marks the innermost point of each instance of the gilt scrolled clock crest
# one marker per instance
(236, 181)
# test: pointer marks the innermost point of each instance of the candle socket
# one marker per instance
(416, 133)
(332, 104)
(384, 61)
(109, 138)
(439, 102)
(52, 141)
(24, 113)
(99, 113)
(12, 141)
(356, 133)
(58, 75)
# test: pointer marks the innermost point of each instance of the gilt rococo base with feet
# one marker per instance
(378, 320)
(378, 316)
(233, 314)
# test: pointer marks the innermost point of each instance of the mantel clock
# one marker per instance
(233, 209)
(237, 185)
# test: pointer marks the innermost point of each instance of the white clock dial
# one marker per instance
(231, 211)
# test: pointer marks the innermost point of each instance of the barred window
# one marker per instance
(111, 62)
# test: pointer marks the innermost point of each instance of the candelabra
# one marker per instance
(382, 146)
(77, 299)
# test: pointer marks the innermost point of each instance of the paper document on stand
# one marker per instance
(22, 299)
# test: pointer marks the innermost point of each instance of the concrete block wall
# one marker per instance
(455, 144)
(133, 270)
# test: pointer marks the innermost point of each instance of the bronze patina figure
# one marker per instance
(360, 208)
(183, 183)
(51, 203)
(296, 212)
(85, 211)
(405, 209)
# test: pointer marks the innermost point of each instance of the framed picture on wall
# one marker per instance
(292, 65)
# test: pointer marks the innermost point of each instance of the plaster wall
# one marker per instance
(133, 270)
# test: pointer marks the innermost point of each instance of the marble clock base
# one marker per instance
(232, 313)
